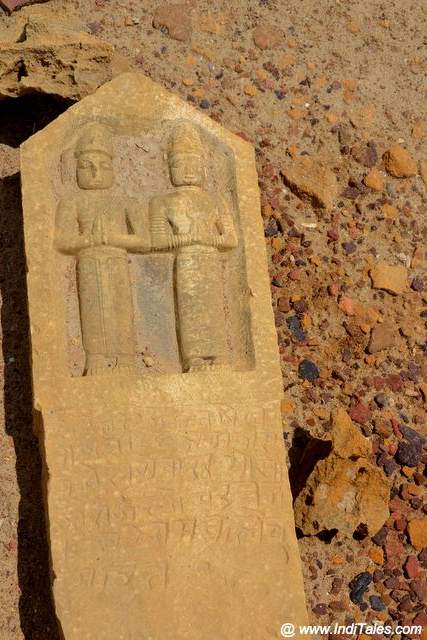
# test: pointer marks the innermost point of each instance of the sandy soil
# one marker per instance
(339, 75)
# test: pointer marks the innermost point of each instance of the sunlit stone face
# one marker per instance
(94, 170)
(186, 169)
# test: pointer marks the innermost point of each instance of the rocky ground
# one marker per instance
(332, 94)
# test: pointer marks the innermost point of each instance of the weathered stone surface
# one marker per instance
(175, 19)
(39, 56)
(309, 179)
(399, 163)
(168, 500)
(347, 440)
(345, 489)
(343, 494)
(391, 278)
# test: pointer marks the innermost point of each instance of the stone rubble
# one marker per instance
(345, 491)
(311, 180)
(36, 57)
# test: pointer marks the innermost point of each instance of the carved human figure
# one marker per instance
(100, 228)
(198, 226)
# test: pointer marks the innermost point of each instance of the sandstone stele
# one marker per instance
(168, 504)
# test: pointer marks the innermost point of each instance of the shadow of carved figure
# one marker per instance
(198, 226)
(100, 228)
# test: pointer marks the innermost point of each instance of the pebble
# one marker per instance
(390, 278)
(417, 284)
(383, 336)
(283, 304)
(336, 585)
(175, 20)
(295, 327)
(376, 603)
(95, 27)
(377, 555)
(409, 454)
(365, 154)
(349, 247)
(347, 306)
(378, 575)
(380, 537)
(310, 179)
(266, 36)
(374, 180)
(412, 435)
(393, 545)
(405, 604)
(417, 530)
(420, 619)
(399, 163)
(382, 401)
(412, 567)
(308, 370)
(390, 213)
(360, 413)
(320, 609)
(358, 586)
(419, 588)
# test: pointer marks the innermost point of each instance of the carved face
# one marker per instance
(186, 169)
(94, 170)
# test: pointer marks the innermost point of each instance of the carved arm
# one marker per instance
(161, 235)
(227, 236)
(67, 237)
(133, 241)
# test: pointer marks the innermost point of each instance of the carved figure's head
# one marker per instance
(94, 153)
(186, 161)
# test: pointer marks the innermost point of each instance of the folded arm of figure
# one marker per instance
(162, 237)
(68, 239)
(227, 237)
(135, 240)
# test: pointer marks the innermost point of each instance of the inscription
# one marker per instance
(192, 433)
(222, 485)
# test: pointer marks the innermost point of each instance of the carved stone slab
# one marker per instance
(157, 384)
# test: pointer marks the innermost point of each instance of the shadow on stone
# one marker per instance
(21, 118)
(304, 454)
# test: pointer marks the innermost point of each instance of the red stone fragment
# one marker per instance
(393, 546)
(412, 568)
(420, 619)
(395, 382)
(360, 413)
(11, 5)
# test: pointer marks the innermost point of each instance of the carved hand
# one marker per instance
(205, 239)
(161, 242)
(97, 233)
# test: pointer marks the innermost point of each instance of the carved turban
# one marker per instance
(185, 139)
(95, 137)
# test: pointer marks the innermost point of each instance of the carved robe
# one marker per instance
(100, 230)
(192, 222)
